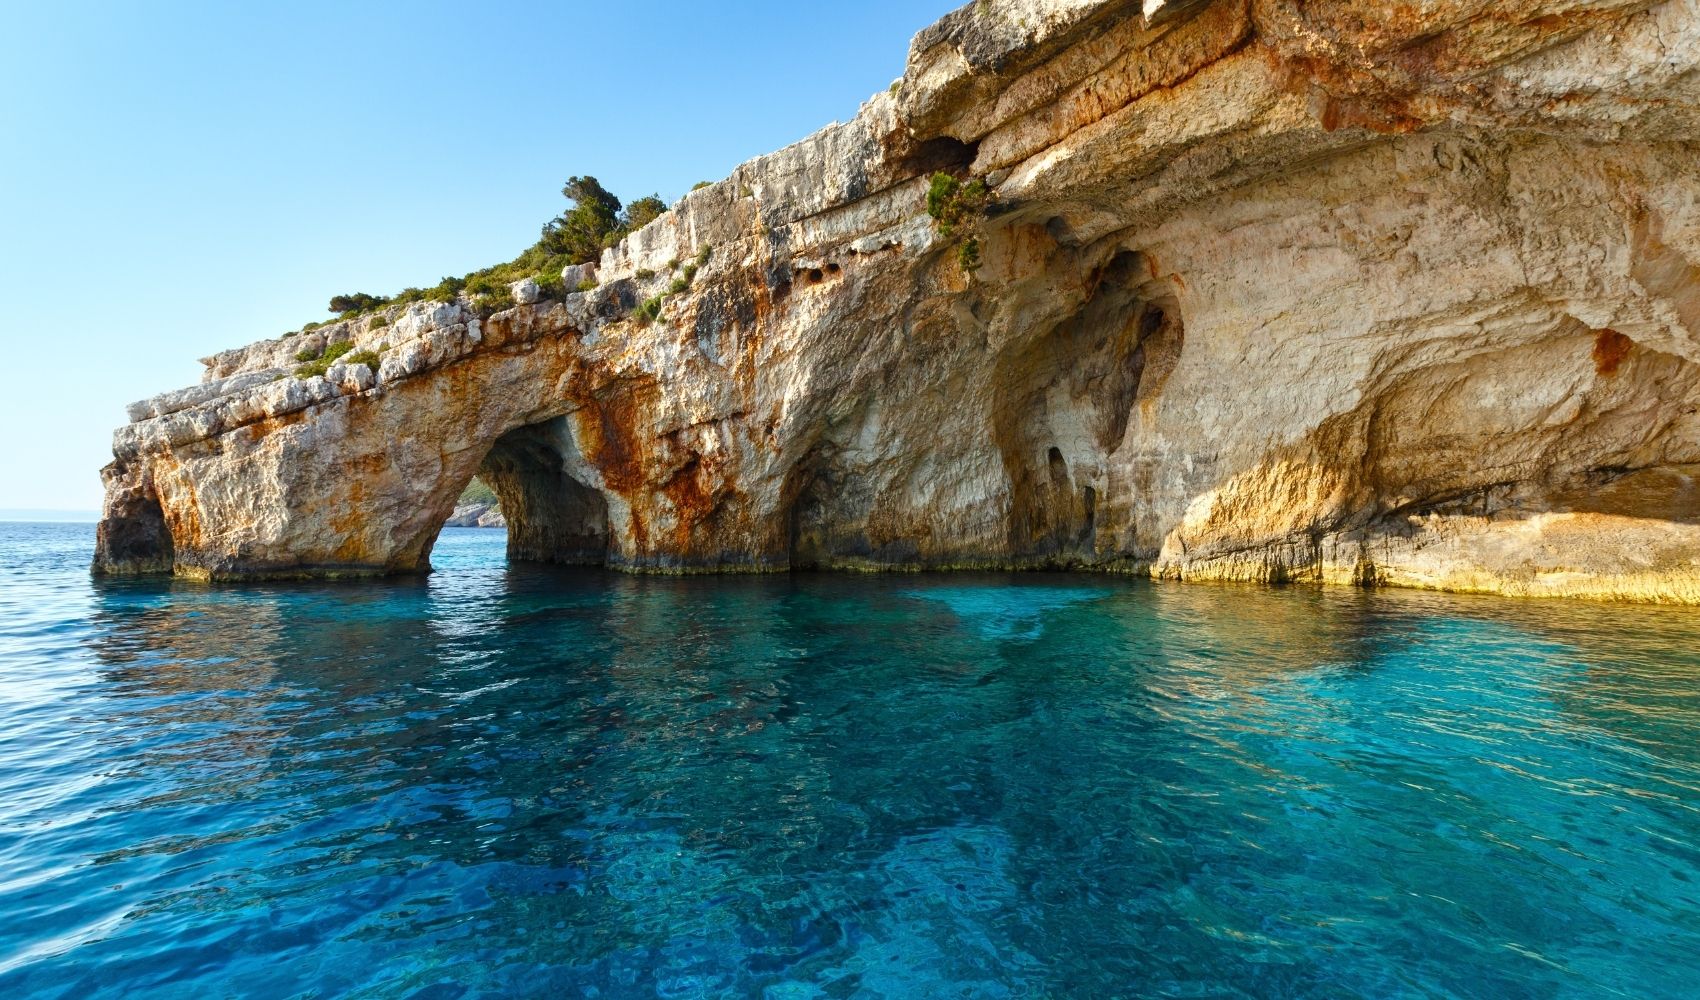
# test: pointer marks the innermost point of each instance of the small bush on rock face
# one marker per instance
(968, 254)
(447, 290)
(644, 274)
(952, 203)
(648, 310)
(551, 284)
(322, 364)
(678, 285)
(957, 206)
(494, 301)
(368, 358)
(306, 354)
(699, 185)
(378, 321)
(588, 284)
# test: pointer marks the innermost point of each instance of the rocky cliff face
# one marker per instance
(476, 515)
(1337, 291)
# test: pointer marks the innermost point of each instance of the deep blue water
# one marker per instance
(558, 783)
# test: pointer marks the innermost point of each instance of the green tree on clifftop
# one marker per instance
(641, 213)
(582, 231)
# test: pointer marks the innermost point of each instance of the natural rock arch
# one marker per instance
(1248, 303)
(552, 516)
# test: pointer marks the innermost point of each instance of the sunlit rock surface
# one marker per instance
(1340, 292)
(476, 515)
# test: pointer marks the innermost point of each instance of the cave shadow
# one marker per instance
(553, 515)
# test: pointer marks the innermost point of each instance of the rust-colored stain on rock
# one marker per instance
(1610, 348)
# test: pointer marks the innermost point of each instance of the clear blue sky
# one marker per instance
(178, 178)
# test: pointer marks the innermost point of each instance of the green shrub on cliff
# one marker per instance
(447, 290)
(368, 358)
(357, 302)
(581, 232)
(638, 214)
(551, 284)
(596, 221)
(322, 363)
(968, 254)
(952, 203)
(648, 310)
(493, 301)
(956, 206)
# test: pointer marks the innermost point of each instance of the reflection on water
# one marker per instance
(540, 782)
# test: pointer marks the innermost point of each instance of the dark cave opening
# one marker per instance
(552, 516)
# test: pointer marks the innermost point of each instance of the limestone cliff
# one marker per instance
(1268, 290)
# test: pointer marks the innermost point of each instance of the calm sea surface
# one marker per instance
(548, 783)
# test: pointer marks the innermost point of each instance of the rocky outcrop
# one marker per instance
(476, 515)
(1271, 291)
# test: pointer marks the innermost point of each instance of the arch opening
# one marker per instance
(552, 515)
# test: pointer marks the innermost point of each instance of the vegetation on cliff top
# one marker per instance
(597, 220)
(319, 362)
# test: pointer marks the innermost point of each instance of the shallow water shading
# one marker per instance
(538, 782)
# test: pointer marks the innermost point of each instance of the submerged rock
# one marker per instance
(1258, 291)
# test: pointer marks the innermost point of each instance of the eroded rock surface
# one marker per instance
(1334, 291)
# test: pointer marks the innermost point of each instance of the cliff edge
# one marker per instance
(1340, 292)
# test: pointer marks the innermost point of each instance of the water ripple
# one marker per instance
(526, 782)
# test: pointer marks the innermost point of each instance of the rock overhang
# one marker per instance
(1361, 235)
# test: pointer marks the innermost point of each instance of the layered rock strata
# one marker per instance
(1268, 290)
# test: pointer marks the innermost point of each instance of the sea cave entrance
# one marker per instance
(552, 516)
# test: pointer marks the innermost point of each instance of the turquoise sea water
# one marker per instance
(553, 783)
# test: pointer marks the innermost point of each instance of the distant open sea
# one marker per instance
(527, 782)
